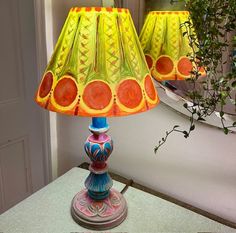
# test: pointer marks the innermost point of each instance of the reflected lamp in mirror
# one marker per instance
(98, 70)
(165, 45)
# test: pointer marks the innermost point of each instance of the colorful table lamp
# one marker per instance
(98, 70)
(166, 49)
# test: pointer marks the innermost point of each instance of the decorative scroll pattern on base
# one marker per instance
(91, 208)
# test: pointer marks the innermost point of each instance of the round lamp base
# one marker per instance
(99, 215)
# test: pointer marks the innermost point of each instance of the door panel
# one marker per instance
(10, 65)
(11, 101)
(22, 168)
(15, 172)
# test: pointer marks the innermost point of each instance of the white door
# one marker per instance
(22, 157)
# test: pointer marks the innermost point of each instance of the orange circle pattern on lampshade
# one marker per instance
(98, 67)
(166, 49)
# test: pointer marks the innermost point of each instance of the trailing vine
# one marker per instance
(214, 23)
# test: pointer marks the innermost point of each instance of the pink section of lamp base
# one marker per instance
(99, 215)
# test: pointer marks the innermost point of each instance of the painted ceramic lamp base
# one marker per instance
(99, 215)
(99, 206)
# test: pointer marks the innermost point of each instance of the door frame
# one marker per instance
(41, 59)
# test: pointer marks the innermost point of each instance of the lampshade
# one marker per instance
(166, 49)
(98, 67)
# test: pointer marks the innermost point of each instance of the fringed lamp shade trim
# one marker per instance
(98, 67)
(166, 50)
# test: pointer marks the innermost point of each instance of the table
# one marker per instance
(48, 211)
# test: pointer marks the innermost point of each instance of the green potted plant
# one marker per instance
(214, 22)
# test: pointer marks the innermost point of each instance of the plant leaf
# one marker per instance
(233, 84)
(221, 114)
(200, 119)
(192, 127)
(226, 130)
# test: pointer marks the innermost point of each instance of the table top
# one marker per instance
(48, 211)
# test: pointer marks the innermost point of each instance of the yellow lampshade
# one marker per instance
(166, 49)
(98, 67)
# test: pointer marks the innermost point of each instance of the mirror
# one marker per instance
(173, 93)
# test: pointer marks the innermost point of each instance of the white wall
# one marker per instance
(200, 170)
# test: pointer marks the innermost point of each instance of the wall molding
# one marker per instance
(41, 51)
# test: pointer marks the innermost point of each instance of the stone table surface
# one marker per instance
(48, 211)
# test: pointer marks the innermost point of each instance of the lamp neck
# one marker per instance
(99, 122)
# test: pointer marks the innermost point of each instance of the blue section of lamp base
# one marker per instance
(98, 196)
(98, 185)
